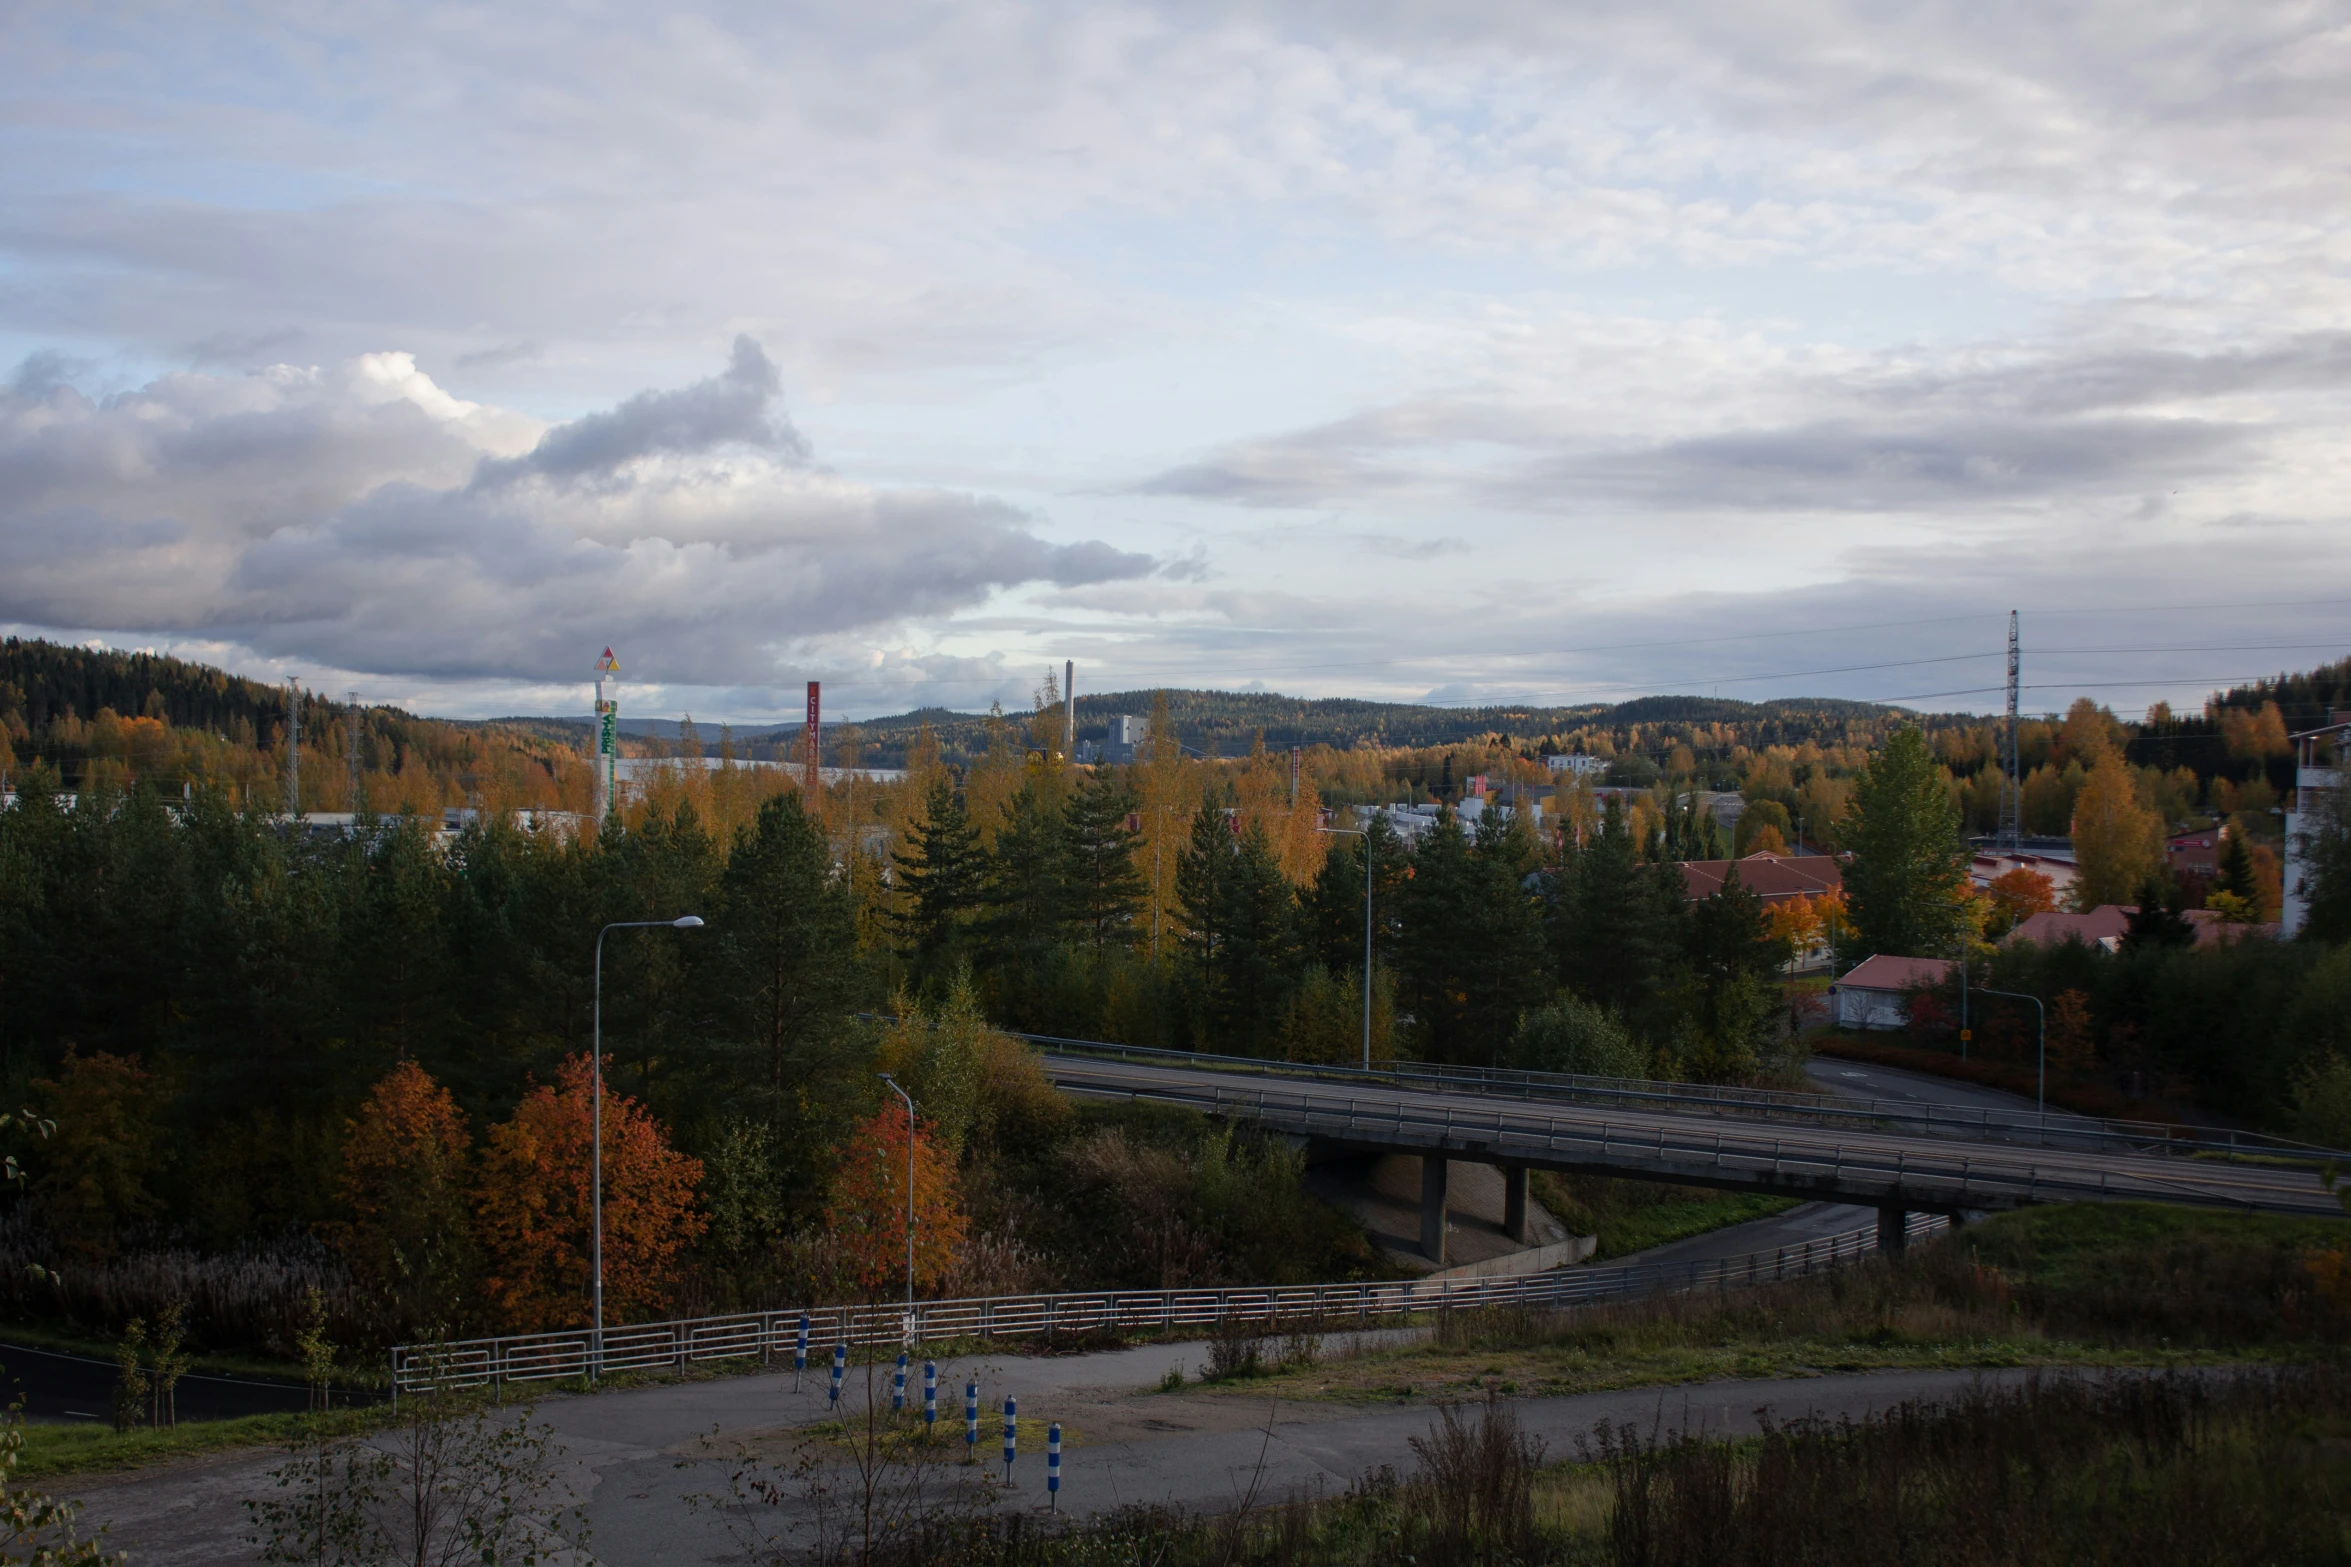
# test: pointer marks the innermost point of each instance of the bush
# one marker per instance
(1575, 1036)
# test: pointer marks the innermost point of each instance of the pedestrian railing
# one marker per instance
(773, 1336)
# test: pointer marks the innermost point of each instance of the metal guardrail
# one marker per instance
(772, 1335)
(1986, 1124)
(1874, 1169)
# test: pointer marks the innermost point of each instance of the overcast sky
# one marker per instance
(1475, 351)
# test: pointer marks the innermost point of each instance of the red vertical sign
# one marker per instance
(813, 751)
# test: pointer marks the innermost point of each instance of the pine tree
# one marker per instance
(940, 880)
(1029, 872)
(1909, 867)
(786, 959)
(1105, 889)
(2234, 874)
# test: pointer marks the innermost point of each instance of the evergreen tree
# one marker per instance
(1105, 889)
(1909, 867)
(1472, 959)
(785, 947)
(1733, 955)
(1029, 872)
(1616, 926)
(2158, 919)
(1331, 907)
(2234, 872)
(940, 877)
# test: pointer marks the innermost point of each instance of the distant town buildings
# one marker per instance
(1774, 878)
(1121, 745)
(2318, 775)
(1577, 766)
(1876, 993)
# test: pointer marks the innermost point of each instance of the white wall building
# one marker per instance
(2318, 773)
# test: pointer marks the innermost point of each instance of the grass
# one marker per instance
(86, 1449)
(2251, 1468)
(2094, 1285)
(36, 1336)
(1633, 1216)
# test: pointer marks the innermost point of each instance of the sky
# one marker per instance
(1485, 352)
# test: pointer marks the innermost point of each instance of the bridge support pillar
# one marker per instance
(1514, 1202)
(1433, 1171)
(1893, 1231)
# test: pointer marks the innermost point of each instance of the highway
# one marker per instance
(1916, 1170)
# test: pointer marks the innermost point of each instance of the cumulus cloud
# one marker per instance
(362, 516)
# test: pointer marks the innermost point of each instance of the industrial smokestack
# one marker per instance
(1069, 709)
(814, 747)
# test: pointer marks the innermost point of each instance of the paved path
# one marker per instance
(639, 1457)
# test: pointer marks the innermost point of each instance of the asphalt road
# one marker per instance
(639, 1459)
(1860, 1165)
(1863, 1080)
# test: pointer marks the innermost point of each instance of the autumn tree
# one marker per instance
(2117, 842)
(533, 1211)
(100, 1160)
(867, 1215)
(2072, 1034)
(405, 1183)
(2016, 895)
(1909, 865)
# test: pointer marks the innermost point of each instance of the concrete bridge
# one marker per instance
(1789, 1145)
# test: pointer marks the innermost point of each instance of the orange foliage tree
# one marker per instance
(867, 1215)
(532, 1206)
(406, 1159)
(2017, 895)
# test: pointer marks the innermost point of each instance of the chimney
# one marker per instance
(1069, 709)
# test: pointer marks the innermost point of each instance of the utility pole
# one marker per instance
(293, 746)
(358, 782)
(2011, 791)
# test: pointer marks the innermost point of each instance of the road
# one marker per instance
(1879, 1168)
(639, 1457)
(66, 1387)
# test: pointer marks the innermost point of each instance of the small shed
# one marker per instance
(1875, 994)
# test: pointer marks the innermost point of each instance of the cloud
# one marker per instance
(362, 517)
(498, 357)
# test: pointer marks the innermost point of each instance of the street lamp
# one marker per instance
(596, 1176)
(1365, 834)
(909, 1098)
(2041, 1104)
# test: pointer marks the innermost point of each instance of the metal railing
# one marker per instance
(769, 1336)
(1853, 1167)
(1982, 1124)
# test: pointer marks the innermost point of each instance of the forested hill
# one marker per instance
(1228, 723)
(43, 681)
(101, 717)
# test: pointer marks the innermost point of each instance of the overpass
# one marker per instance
(1899, 1160)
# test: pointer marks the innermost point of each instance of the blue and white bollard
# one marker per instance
(840, 1364)
(898, 1385)
(971, 1421)
(930, 1396)
(800, 1349)
(1053, 1465)
(1011, 1434)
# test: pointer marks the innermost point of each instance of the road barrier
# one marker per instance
(768, 1336)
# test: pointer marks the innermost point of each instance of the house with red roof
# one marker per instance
(1876, 994)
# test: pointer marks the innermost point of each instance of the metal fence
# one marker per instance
(772, 1336)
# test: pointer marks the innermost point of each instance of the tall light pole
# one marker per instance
(2041, 1101)
(596, 1171)
(909, 1098)
(1365, 834)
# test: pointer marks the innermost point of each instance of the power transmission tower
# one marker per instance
(293, 748)
(358, 783)
(2011, 791)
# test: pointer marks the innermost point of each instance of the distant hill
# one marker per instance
(1228, 723)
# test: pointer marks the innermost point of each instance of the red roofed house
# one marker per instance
(1876, 993)
(2107, 924)
(1771, 877)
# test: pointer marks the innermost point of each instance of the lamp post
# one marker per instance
(596, 1168)
(909, 1098)
(1365, 834)
(2041, 1102)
